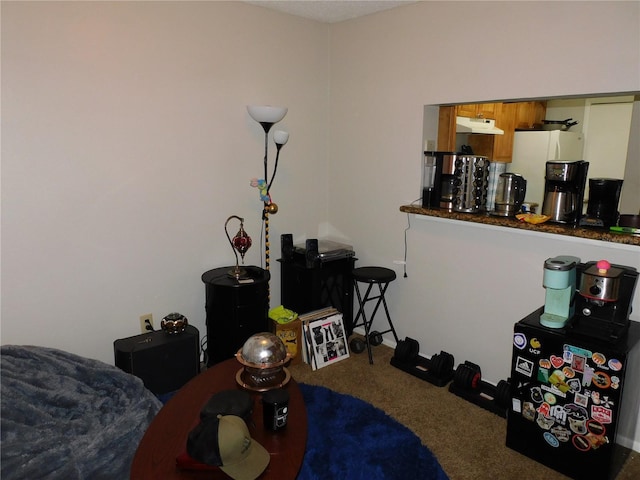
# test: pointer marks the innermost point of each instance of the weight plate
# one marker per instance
(402, 351)
(475, 380)
(503, 393)
(375, 338)
(460, 375)
(414, 348)
(357, 345)
(437, 365)
(448, 362)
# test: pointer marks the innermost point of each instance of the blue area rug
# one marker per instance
(352, 440)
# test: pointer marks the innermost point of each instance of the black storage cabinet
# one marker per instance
(307, 283)
(235, 310)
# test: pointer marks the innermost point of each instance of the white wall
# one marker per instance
(127, 144)
(467, 285)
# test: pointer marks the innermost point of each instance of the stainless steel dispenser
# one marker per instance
(470, 182)
(510, 194)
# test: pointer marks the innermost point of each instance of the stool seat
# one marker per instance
(373, 274)
(381, 277)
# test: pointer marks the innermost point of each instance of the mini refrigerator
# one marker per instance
(568, 397)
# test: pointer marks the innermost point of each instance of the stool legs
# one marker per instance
(366, 323)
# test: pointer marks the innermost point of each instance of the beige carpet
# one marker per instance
(468, 441)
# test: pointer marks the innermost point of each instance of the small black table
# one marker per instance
(235, 310)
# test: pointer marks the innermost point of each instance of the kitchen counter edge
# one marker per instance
(509, 222)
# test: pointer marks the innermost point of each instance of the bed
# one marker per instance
(64, 416)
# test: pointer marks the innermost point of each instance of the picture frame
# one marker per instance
(327, 341)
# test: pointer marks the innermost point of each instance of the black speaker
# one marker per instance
(286, 246)
(312, 255)
(164, 362)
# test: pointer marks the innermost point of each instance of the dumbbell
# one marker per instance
(357, 345)
(441, 363)
(468, 376)
(407, 350)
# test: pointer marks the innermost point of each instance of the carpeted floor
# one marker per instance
(468, 441)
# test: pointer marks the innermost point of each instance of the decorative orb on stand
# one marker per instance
(239, 244)
(263, 357)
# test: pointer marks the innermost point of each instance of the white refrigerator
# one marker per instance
(532, 150)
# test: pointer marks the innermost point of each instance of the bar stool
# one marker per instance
(381, 277)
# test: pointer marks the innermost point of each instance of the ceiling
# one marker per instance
(331, 11)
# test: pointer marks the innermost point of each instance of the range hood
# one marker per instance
(477, 125)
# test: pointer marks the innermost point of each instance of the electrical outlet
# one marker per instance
(146, 323)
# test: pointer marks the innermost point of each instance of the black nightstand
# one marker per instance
(235, 310)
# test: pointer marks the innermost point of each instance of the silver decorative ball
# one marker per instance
(263, 357)
(263, 350)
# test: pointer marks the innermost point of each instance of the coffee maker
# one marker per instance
(437, 179)
(564, 190)
(603, 300)
(602, 207)
(559, 281)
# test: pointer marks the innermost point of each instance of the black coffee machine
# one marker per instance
(564, 190)
(437, 179)
(603, 300)
(602, 207)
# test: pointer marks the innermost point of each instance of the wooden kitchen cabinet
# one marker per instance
(503, 144)
(468, 110)
(478, 110)
(508, 117)
(447, 129)
(498, 148)
(529, 114)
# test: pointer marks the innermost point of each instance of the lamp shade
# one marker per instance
(267, 113)
(280, 137)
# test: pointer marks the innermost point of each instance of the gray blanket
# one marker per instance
(68, 417)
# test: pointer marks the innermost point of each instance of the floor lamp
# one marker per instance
(267, 116)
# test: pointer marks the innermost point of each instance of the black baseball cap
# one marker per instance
(229, 402)
(224, 441)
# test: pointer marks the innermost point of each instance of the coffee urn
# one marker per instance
(564, 191)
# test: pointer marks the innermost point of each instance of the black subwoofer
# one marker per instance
(163, 361)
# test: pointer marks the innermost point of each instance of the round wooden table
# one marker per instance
(166, 437)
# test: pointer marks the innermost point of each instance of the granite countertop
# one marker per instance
(509, 222)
